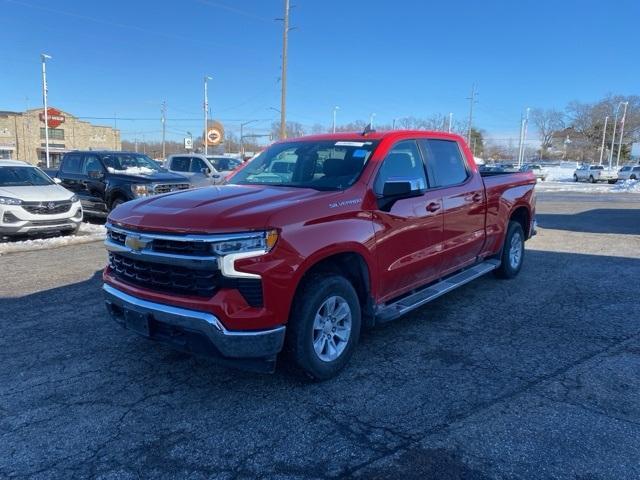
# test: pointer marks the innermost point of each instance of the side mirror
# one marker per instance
(401, 188)
(206, 171)
(95, 174)
(57, 180)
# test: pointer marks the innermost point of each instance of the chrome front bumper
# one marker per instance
(186, 329)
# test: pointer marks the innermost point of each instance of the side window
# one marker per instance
(180, 164)
(403, 162)
(445, 162)
(72, 163)
(197, 164)
(91, 164)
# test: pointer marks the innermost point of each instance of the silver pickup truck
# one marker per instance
(202, 170)
(594, 174)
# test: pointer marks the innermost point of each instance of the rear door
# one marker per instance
(409, 231)
(197, 170)
(463, 200)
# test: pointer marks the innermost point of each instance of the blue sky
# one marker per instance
(402, 58)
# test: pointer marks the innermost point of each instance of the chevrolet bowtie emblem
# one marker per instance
(136, 243)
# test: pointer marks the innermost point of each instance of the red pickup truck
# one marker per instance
(310, 242)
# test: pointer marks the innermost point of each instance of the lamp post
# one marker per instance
(615, 124)
(624, 116)
(206, 111)
(371, 119)
(45, 90)
(335, 111)
(604, 134)
(450, 121)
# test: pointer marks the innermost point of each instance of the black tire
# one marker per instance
(575, 177)
(632, 177)
(300, 332)
(611, 182)
(507, 269)
(591, 179)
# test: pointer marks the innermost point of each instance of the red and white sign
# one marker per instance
(55, 117)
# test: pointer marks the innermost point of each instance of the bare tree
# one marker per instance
(547, 122)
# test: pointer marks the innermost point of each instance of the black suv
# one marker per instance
(105, 179)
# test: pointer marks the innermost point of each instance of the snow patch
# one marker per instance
(88, 233)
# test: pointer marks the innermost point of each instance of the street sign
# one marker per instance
(188, 143)
(214, 134)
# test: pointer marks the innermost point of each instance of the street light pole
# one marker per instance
(206, 112)
(242, 125)
(450, 121)
(163, 110)
(524, 137)
(604, 134)
(371, 119)
(283, 78)
(615, 124)
(624, 116)
(335, 110)
(45, 90)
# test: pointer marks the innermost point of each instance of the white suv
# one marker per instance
(32, 203)
(629, 172)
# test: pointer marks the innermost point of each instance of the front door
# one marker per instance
(409, 231)
(464, 203)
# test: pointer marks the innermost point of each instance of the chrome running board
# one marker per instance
(391, 311)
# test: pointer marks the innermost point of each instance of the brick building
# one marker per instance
(22, 135)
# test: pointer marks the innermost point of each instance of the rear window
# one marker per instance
(445, 162)
(597, 167)
(636, 169)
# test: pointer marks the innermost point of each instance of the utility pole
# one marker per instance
(604, 134)
(524, 122)
(163, 111)
(393, 124)
(524, 137)
(450, 121)
(283, 77)
(206, 112)
(472, 100)
(45, 90)
(613, 140)
(624, 116)
(335, 110)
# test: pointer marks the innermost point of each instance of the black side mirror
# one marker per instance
(96, 174)
(206, 171)
(401, 188)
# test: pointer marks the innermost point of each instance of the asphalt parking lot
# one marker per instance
(532, 378)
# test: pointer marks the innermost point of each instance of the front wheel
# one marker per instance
(512, 252)
(324, 327)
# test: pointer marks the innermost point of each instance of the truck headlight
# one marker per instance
(140, 190)
(10, 201)
(74, 199)
(258, 242)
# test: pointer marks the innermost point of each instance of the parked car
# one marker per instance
(362, 230)
(536, 169)
(202, 170)
(594, 173)
(31, 203)
(629, 172)
(105, 179)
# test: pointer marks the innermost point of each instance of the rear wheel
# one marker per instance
(512, 252)
(632, 177)
(324, 326)
(591, 179)
(575, 177)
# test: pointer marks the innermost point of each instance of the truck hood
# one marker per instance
(228, 208)
(42, 193)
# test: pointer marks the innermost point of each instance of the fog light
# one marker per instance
(9, 217)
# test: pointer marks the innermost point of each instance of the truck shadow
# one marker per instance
(599, 220)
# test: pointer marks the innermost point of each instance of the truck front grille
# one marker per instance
(47, 208)
(182, 280)
(170, 187)
(166, 278)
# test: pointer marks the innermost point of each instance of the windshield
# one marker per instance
(23, 176)
(129, 163)
(320, 164)
(224, 163)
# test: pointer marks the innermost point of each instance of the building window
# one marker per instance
(54, 133)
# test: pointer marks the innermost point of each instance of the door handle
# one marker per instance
(433, 207)
(476, 197)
